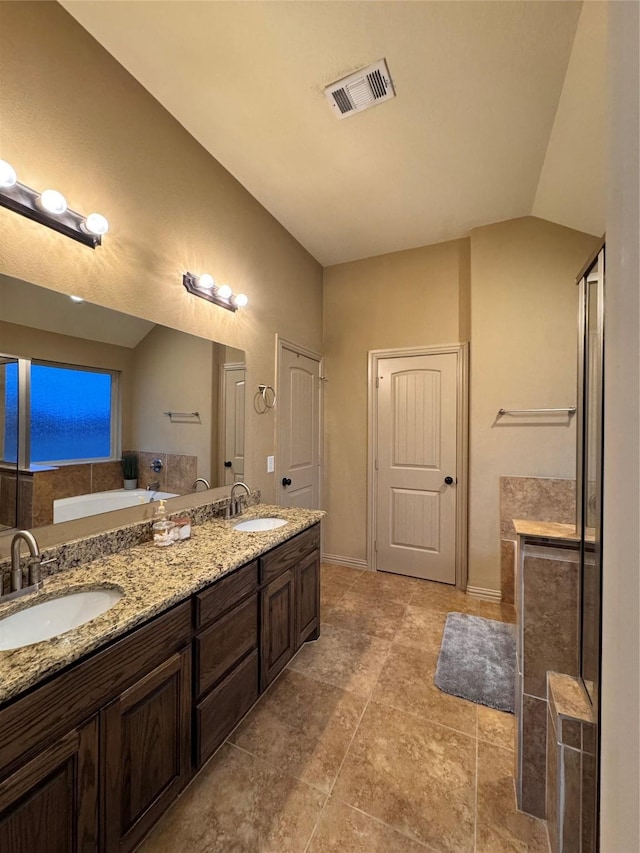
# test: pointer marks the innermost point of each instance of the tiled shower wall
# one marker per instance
(530, 499)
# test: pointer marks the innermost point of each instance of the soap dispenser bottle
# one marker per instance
(163, 529)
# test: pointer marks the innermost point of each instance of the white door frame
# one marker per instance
(462, 450)
(282, 344)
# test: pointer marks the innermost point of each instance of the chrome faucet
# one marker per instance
(237, 506)
(202, 480)
(35, 578)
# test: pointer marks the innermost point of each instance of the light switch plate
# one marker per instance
(271, 464)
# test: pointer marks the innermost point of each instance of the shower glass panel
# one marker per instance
(591, 479)
(8, 442)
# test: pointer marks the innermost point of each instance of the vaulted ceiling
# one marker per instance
(500, 109)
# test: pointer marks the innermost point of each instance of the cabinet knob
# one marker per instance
(228, 463)
(286, 481)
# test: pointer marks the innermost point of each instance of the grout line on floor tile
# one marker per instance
(424, 718)
(316, 824)
(284, 772)
(355, 731)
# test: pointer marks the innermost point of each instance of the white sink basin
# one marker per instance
(55, 616)
(256, 525)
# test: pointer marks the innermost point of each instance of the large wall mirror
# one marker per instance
(81, 385)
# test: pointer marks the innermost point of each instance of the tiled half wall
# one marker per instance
(530, 499)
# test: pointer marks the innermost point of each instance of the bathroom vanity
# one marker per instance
(92, 752)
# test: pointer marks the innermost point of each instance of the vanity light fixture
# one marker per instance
(49, 208)
(205, 287)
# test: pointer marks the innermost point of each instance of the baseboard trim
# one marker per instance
(351, 562)
(485, 594)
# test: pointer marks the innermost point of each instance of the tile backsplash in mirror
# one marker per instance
(39, 489)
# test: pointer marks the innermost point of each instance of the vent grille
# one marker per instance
(361, 90)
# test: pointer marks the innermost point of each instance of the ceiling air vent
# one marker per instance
(361, 90)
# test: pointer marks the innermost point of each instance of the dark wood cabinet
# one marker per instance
(223, 645)
(289, 601)
(50, 805)
(308, 598)
(146, 749)
(218, 714)
(91, 758)
(277, 633)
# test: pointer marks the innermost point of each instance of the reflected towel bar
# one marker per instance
(182, 414)
(569, 410)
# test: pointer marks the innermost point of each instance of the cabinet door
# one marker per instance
(277, 636)
(50, 805)
(307, 598)
(146, 751)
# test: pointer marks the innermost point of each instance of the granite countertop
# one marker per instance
(551, 530)
(152, 580)
(546, 529)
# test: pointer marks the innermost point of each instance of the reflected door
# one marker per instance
(417, 466)
(234, 385)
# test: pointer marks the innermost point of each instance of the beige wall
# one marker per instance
(73, 119)
(620, 734)
(524, 304)
(402, 299)
(512, 286)
(175, 372)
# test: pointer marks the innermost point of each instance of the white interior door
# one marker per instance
(298, 429)
(234, 384)
(416, 449)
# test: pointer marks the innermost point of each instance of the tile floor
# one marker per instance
(354, 750)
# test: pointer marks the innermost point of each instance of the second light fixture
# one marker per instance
(205, 287)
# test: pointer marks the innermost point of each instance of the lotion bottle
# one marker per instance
(163, 529)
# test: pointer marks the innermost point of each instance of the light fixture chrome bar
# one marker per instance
(23, 200)
(191, 283)
(568, 410)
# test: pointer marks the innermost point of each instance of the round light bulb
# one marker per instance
(53, 202)
(96, 224)
(240, 300)
(7, 175)
(224, 291)
(206, 281)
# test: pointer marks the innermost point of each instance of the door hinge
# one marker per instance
(376, 464)
(375, 545)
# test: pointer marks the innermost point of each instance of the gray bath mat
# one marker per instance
(478, 661)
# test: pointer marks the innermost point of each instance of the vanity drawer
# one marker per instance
(225, 706)
(287, 555)
(226, 593)
(221, 646)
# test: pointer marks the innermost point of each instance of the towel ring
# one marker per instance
(264, 399)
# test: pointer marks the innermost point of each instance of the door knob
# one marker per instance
(286, 481)
(228, 464)
(448, 480)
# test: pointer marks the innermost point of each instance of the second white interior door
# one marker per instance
(299, 430)
(416, 411)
